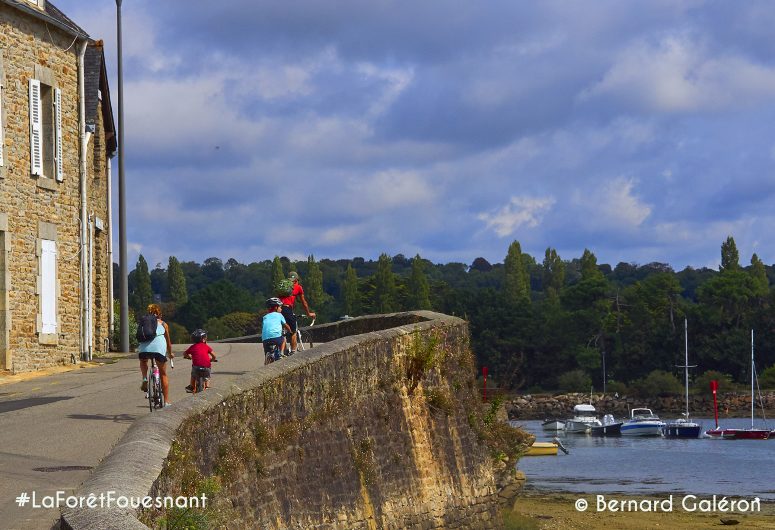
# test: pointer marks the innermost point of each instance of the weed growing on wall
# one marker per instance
(424, 354)
(439, 401)
(506, 443)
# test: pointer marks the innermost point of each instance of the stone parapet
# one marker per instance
(382, 429)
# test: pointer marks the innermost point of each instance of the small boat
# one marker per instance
(553, 425)
(683, 427)
(542, 449)
(642, 422)
(546, 448)
(610, 427)
(584, 417)
(738, 434)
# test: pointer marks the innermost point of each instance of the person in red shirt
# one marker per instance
(201, 356)
(289, 302)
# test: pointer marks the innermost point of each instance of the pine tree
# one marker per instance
(730, 258)
(350, 292)
(385, 286)
(277, 273)
(554, 273)
(177, 282)
(761, 284)
(419, 295)
(142, 295)
(589, 268)
(313, 285)
(517, 281)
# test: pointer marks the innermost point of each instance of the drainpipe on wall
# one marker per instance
(84, 138)
(110, 254)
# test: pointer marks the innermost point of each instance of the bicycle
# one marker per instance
(302, 336)
(272, 355)
(154, 394)
(202, 375)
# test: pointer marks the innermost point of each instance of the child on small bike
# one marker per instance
(201, 356)
(272, 327)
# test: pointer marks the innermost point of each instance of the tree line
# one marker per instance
(555, 324)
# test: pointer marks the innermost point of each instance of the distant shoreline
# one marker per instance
(543, 406)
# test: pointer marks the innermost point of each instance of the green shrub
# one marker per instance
(116, 337)
(574, 381)
(658, 383)
(178, 334)
(767, 379)
(614, 387)
(701, 384)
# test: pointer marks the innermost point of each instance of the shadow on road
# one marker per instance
(117, 418)
(19, 404)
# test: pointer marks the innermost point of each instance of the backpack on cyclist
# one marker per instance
(146, 328)
(284, 287)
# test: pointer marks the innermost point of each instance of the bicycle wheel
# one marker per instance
(305, 339)
(200, 383)
(159, 394)
(150, 395)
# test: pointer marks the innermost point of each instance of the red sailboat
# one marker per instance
(738, 434)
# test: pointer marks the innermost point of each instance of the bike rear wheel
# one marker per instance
(305, 339)
(159, 393)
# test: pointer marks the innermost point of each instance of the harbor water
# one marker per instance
(654, 465)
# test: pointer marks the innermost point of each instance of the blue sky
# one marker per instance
(640, 130)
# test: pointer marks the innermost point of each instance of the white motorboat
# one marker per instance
(553, 425)
(584, 417)
(642, 422)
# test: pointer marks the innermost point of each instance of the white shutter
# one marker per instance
(58, 137)
(36, 132)
(48, 292)
(2, 138)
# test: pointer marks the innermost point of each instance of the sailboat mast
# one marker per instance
(686, 364)
(752, 378)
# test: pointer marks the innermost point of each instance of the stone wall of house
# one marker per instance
(98, 208)
(379, 430)
(38, 207)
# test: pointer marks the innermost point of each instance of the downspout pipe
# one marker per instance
(110, 251)
(84, 139)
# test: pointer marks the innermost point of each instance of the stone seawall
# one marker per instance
(541, 406)
(378, 430)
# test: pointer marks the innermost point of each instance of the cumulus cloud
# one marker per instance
(678, 73)
(518, 212)
(613, 204)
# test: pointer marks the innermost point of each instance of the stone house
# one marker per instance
(56, 139)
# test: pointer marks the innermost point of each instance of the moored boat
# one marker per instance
(739, 434)
(683, 427)
(642, 422)
(553, 425)
(584, 417)
(610, 427)
(542, 449)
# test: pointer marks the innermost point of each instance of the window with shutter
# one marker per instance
(36, 129)
(48, 290)
(58, 134)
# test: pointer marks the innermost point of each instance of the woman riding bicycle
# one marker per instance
(159, 348)
(272, 326)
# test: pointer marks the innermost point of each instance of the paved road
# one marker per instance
(55, 429)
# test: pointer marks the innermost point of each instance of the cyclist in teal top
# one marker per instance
(160, 349)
